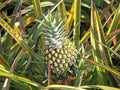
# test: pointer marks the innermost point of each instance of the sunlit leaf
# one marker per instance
(100, 87)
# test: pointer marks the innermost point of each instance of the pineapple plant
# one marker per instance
(59, 50)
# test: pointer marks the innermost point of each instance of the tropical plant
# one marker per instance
(92, 26)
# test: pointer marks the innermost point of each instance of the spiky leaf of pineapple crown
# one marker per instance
(54, 30)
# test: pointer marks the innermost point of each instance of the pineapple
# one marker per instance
(58, 48)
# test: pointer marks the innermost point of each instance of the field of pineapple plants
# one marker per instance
(59, 45)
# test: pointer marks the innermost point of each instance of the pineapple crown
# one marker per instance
(54, 30)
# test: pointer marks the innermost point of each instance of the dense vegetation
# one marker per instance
(93, 27)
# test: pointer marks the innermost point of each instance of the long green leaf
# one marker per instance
(85, 37)
(63, 87)
(10, 30)
(37, 8)
(115, 21)
(100, 87)
(77, 14)
(16, 77)
(42, 4)
(94, 35)
(103, 66)
(4, 62)
(97, 34)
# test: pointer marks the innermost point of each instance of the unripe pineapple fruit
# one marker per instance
(59, 50)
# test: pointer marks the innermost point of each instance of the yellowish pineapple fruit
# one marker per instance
(58, 48)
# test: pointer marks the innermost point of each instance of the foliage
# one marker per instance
(93, 26)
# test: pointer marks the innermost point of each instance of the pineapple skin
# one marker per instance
(62, 59)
